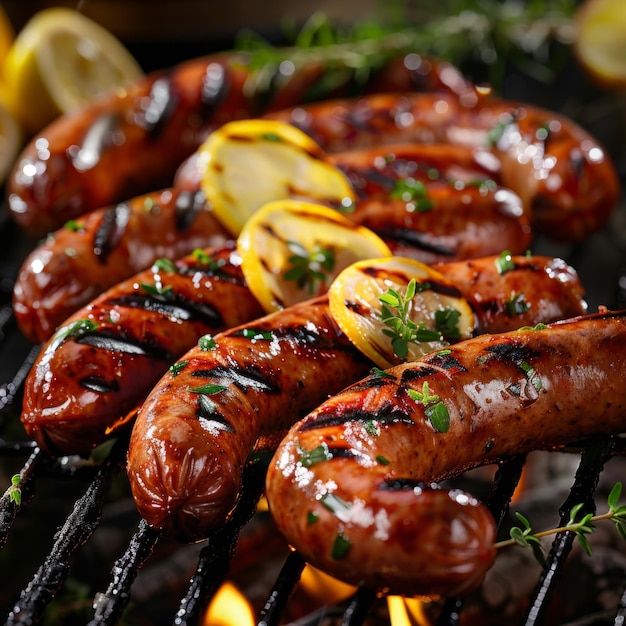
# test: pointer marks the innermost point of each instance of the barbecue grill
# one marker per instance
(75, 551)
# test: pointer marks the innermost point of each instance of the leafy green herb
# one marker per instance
(308, 269)
(504, 262)
(165, 265)
(377, 372)
(317, 455)
(371, 428)
(447, 323)
(257, 335)
(524, 535)
(532, 375)
(311, 518)
(210, 389)
(335, 505)
(14, 491)
(382, 460)
(75, 329)
(177, 368)
(414, 191)
(206, 343)
(395, 312)
(74, 226)
(516, 305)
(271, 137)
(435, 409)
(158, 289)
(341, 546)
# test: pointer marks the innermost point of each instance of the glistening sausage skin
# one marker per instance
(196, 428)
(348, 485)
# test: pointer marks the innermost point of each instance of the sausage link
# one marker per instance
(95, 252)
(77, 263)
(132, 141)
(196, 429)
(563, 175)
(94, 372)
(348, 484)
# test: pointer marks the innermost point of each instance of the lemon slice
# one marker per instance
(437, 314)
(292, 250)
(60, 60)
(10, 141)
(245, 164)
(600, 44)
(7, 36)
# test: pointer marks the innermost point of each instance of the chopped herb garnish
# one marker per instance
(308, 269)
(75, 329)
(158, 289)
(311, 518)
(532, 375)
(317, 455)
(504, 262)
(271, 137)
(14, 491)
(447, 323)
(412, 190)
(516, 305)
(382, 460)
(165, 265)
(402, 330)
(341, 546)
(74, 226)
(335, 505)
(434, 408)
(177, 368)
(257, 335)
(206, 343)
(209, 389)
(497, 131)
(371, 428)
(377, 372)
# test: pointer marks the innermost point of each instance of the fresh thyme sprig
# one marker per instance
(525, 536)
(395, 313)
(308, 269)
(15, 491)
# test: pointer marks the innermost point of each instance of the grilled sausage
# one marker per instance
(196, 428)
(94, 252)
(348, 484)
(97, 368)
(131, 142)
(562, 174)
(451, 217)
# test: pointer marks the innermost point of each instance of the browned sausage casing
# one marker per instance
(467, 216)
(347, 485)
(95, 371)
(563, 175)
(132, 141)
(84, 258)
(195, 430)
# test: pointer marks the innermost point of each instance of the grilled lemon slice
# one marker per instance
(397, 309)
(247, 163)
(292, 250)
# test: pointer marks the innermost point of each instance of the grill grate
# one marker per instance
(215, 557)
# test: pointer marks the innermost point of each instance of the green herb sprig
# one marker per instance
(309, 268)
(15, 491)
(525, 536)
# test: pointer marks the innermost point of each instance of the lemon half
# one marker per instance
(292, 250)
(436, 307)
(248, 163)
(60, 60)
(600, 44)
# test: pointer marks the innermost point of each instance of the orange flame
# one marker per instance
(229, 607)
(407, 611)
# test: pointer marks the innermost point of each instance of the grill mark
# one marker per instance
(178, 308)
(512, 352)
(415, 373)
(187, 207)
(415, 239)
(109, 234)
(402, 484)
(111, 343)
(99, 385)
(161, 106)
(387, 414)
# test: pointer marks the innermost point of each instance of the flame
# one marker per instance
(229, 607)
(323, 588)
(407, 611)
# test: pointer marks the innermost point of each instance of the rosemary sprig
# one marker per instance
(525, 536)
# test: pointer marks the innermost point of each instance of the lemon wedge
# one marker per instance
(59, 60)
(600, 44)
(397, 309)
(247, 163)
(292, 250)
